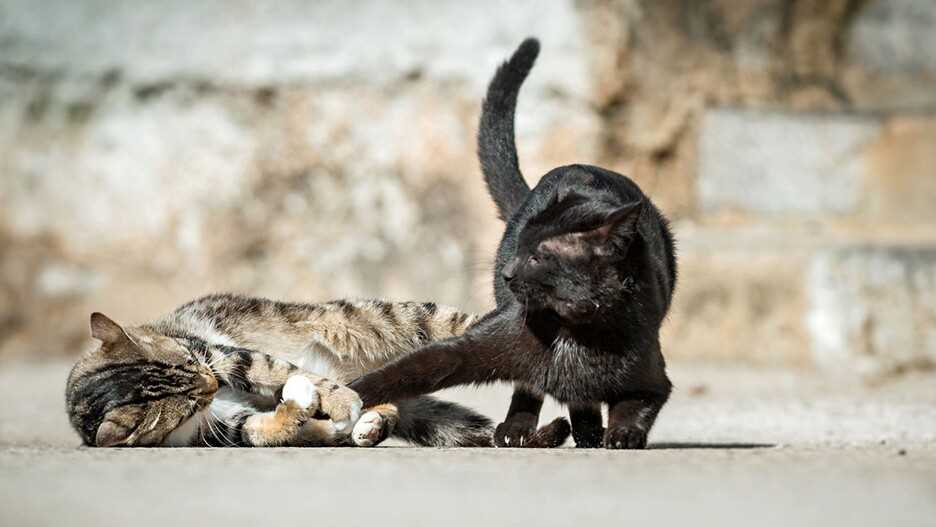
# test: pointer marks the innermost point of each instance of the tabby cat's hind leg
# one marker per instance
(277, 428)
(282, 426)
(371, 429)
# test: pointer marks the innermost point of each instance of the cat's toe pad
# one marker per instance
(300, 389)
(369, 430)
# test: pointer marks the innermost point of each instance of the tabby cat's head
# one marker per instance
(135, 387)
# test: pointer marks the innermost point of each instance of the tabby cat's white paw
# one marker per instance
(300, 389)
(368, 430)
(344, 425)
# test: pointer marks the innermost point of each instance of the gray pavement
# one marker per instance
(733, 447)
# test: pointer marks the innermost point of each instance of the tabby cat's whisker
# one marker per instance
(226, 429)
(218, 432)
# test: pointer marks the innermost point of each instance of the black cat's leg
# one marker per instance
(631, 417)
(587, 430)
(521, 420)
(483, 354)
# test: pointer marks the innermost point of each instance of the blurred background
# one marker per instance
(155, 151)
(151, 152)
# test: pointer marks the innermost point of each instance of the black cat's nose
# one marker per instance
(510, 270)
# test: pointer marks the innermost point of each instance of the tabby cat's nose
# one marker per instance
(207, 384)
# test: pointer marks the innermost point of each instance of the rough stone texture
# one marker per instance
(268, 42)
(769, 163)
(289, 149)
(809, 165)
(900, 169)
(310, 150)
(775, 293)
(737, 302)
(895, 36)
(873, 310)
(660, 65)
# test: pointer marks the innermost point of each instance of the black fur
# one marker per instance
(584, 277)
(496, 134)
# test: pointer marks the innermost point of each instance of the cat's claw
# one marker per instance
(301, 390)
(516, 431)
(369, 430)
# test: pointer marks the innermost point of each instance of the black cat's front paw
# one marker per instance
(516, 431)
(625, 436)
(590, 438)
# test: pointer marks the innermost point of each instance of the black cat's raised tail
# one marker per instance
(496, 147)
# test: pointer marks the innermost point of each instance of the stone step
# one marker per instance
(858, 167)
(850, 305)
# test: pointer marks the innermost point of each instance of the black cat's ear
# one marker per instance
(106, 330)
(622, 220)
(568, 194)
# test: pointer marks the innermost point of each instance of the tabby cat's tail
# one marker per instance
(427, 421)
(496, 146)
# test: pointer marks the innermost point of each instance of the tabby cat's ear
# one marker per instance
(622, 220)
(106, 330)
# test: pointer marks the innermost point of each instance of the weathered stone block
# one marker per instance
(782, 164)
(288, 148)
(738, 303)
(873, 310)
(901, 173)
(894, 36)
(272, 42)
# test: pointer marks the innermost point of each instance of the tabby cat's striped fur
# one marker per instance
(214, 373)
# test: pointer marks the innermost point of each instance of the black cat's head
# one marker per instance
(571, 257)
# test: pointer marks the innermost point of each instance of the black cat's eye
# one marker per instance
(534, 260)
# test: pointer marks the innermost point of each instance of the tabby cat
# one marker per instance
(584, 277)
(228, 370)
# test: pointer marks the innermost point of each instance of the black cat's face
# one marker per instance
(575, 275)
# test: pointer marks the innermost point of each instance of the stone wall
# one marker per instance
(154, 151)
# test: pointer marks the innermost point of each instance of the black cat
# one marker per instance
(584, 278)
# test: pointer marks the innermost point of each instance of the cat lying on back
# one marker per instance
(584, 278)
(228, 370)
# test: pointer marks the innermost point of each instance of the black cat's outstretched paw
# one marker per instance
(516, 431)
(625, 436)
(552, 435)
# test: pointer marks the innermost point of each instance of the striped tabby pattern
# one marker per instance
(213, 372)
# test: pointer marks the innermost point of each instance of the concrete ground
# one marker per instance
(733, 447)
